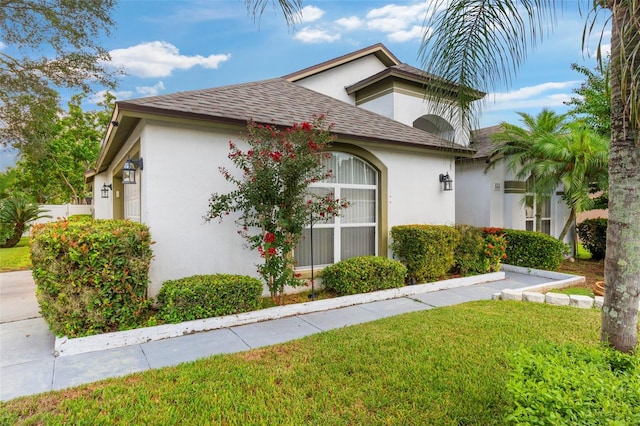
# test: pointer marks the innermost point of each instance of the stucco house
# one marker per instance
(391, 154)
(492, 196)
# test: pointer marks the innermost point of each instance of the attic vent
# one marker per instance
(497, 186)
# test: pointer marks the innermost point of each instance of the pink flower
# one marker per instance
(306, 126)
(272, 251)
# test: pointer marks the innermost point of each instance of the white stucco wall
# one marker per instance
(181, 165)
(406, 108)
(332, 82)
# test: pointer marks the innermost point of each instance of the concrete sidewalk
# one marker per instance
(28, 364)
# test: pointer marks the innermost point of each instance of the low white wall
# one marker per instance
(63, 211)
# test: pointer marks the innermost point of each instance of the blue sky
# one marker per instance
(166, 46)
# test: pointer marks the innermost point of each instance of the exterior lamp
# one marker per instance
(129, 170)
(105, 190)
(447, 182)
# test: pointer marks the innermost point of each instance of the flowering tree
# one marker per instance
(273, 196)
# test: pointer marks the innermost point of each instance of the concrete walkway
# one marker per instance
(28, 365)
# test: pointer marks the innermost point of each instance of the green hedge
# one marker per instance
(91, 276)
(364, 274)
(571, 385)
(426, 250)
(593, 234)
(534, 249)
(206, 296)
(468, 255)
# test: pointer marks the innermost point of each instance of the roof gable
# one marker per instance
(379, 50)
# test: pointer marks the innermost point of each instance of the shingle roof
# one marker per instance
(481, 141)
(280, 102)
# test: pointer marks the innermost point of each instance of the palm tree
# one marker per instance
(578, 160)
(17, 212)
(516, 145)
(479, 44)
(550, 153)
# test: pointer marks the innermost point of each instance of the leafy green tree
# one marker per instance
(49, 44)
(480, 44)
(273, 197)
(55, 172)
(593, 103)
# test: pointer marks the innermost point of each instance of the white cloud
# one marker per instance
(538, 96)
(310, 14)
(350, 23)
(2, 46)
(311, 35)
(415, 33)
(159, 59)
(393, 18)
(140, 91)
(150, 90)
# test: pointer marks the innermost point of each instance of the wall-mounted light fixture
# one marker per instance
(105, 190)
(129, 170)
(447, 182)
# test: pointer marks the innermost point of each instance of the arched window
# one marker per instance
(354, 232)
(435, 125)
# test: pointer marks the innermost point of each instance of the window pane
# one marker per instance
(546, 208)
(362, 208)
(528, 206)
(322, 248)
(322, 192)
(546, 227)
(348, 169)
(357, 242)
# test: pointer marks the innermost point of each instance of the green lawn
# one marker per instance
(15, 258)
(445, 366)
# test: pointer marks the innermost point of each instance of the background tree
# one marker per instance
(593, 102)
(54, 173)
(49, 44)
(460, 49)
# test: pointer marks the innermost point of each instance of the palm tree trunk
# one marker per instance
(14, 239)
(622, 261)
(568, 224)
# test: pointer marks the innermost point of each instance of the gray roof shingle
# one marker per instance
(280, 102)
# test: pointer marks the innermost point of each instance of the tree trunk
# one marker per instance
(622, 261)
(18, 230)
(568, 224)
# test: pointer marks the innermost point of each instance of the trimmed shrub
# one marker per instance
(593, 234)
(364, 274)
(534, 249)
(91, 276)
(469, 255)
(481, 250)
(206, 296)
(426, 250)
(571, 385)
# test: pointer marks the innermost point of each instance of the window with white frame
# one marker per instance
(354, 232)
(534, 207)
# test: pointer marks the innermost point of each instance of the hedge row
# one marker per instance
(364, 274)
(91, 276)
(205, 296)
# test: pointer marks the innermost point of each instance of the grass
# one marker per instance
(445, 366)
(579, 291)
(16, 258)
